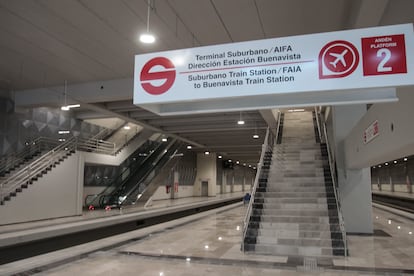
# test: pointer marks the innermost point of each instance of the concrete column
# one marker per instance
(206, 171)
(244, 180)
(354, 184)
(174, 194)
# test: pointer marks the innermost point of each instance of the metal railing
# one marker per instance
(324, 137)
(37, 145)
(35, 168)
(50, 150)
(97, 146)
(266, 147)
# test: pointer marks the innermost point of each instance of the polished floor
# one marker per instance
(209, 244)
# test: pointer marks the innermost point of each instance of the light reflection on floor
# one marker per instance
(211, 246)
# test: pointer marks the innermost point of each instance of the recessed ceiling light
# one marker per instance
(220, 156)
(405, 159)
(255, 136)
(237, 162)
(395, 161)
(240, 122)
(386, 163)
(127, 127)
(189, 147)
(230, 160)
(206, 152)
(164, 139)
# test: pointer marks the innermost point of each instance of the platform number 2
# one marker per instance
(385, 54)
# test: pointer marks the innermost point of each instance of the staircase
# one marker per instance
(294, 209)
(15, 181)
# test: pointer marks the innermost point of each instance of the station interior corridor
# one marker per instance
(251, 138)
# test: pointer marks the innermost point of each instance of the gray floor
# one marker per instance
(209, 244)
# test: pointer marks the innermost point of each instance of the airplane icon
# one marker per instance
(339, 57)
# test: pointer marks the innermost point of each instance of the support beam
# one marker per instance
(103, 110)
(270, 116)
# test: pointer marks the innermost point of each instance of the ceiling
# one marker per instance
(44, 43)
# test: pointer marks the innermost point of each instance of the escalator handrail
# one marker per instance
(155, 166)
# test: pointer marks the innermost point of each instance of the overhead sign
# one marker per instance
(255, 74)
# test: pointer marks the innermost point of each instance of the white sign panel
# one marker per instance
(346, 60)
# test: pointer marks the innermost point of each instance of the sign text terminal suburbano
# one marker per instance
(229, 68)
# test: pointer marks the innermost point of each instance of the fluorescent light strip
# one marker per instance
(63, 131)
(67, 107)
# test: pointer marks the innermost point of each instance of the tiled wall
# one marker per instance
(17, 128)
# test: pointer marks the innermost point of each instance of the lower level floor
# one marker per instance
(208, 243)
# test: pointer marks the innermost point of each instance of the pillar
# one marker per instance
(206, 171)
(354, 184)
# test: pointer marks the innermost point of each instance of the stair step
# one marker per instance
(299, 226)
(293, 234)
(294, 206)
(299, 200)
(291, 219)
(287, 250)
(298, 212)
(302, 242)
(269, 194)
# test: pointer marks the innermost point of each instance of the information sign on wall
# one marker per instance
(271, 72)
(371, 132)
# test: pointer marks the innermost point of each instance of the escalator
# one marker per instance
(153, 176)
(129, 166)
(147, 157)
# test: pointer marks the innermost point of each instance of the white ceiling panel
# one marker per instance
(294, 17)
(241, 18)
(65, 33)
(23, 29)
(92, 26)
(201, 18)
(124, 20)
(398, 12)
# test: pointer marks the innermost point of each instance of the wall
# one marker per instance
(56, 194)
(18, 128)
(183, 191)
(396, 133)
